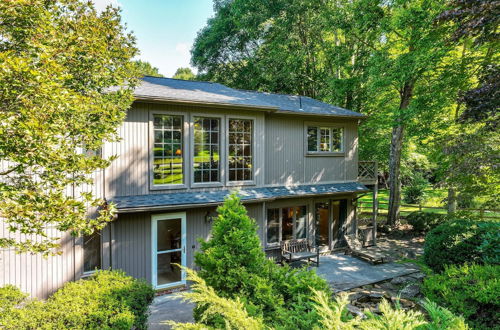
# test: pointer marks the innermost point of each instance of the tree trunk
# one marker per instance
(395, 158)
(452, 200)
(394, 171)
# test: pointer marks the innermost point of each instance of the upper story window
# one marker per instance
(168, 166)
(286, 223)
(324, 139)
(240, 145)
(206, 155)
(91, 252)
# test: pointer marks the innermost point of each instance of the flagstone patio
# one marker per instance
(343, 272)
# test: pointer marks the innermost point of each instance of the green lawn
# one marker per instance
(434, 198)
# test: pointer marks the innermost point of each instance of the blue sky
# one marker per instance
(165, 29)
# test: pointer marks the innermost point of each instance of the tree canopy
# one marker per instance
(58, 61)
(417, 68)
(146, 69)
(184, 74)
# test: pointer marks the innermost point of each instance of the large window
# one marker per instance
(324, 139)
(206, 156)
(286, 223)
(168, 167)
(91, 252)
(240, 155)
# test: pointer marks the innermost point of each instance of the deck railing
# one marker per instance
(367, 172)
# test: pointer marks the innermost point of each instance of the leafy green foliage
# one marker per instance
(184, 74)
(234, 264)
(459, 241)
(490, 246)
(469, 290)
(108, 299)
(414, 193)
(10, 297)
(58, 60)
(425, 221)
(144, 68)
(332, 314)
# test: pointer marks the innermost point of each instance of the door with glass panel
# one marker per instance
(169, 249)
(322, 217)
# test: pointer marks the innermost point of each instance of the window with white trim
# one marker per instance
(286, 223)
(206, 155)
(168, 161)
(91, 252)
(240, 149)
(325, 139)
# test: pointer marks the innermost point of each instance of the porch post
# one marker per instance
(375, 211)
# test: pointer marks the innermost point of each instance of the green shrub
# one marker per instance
(425, 221)
(456, 242)
(108, 299)
(414, 193)
(234, 264)
(331, 314)
(490, 247)
(469, 290)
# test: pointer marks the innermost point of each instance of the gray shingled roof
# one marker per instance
(206, 92)
(193, 198)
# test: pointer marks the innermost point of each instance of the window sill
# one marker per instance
(207, 185)
(325, 154)
(240, 183)
(87, 274)
(167, 187)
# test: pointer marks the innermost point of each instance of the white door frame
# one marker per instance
(154, 244)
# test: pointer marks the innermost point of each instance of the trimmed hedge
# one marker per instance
(107, 300)
(457, 242)
(424, 221)
(469, 290)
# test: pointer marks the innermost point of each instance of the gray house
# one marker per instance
(185, 146)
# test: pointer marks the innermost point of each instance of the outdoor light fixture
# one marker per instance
(210, 216)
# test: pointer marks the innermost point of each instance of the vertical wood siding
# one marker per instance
(131, 243)
(286, 160)
(41, 276)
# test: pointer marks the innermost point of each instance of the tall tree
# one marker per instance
(58, 60)
(144, 68)
(184, 74)
(470, 157)
(411, 47)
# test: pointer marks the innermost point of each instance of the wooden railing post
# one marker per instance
(481, 213)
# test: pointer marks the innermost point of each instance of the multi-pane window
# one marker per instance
(91, 252)
(168, 165)
(324, 139)
(206, 156)
(286, 223)
(240, 134)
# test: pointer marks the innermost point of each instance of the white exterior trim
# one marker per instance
(154, 243)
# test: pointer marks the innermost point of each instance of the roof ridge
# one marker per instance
(252, 91)
(199, 81)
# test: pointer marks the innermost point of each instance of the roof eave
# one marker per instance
(154, 99)
(289, 112)
(244, 201)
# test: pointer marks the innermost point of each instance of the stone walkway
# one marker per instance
(343, 273)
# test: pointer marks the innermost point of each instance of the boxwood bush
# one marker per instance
(108, 299)
(424, 221)
(469, 290)
(458, 241)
